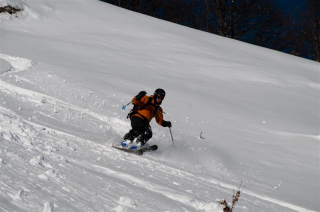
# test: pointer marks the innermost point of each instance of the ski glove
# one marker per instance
(166, 124)
(140, 95)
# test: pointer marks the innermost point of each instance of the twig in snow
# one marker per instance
(235, 199)
(201, 135)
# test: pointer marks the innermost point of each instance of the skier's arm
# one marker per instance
(159, 119)
(159, 116)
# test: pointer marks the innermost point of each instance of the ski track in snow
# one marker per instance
(51, 154)
(127, 178)
(20, 135)
(37, 98)
(29, 141)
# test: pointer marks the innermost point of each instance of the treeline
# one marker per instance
(259, 22)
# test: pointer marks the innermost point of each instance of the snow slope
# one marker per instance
(67, 67)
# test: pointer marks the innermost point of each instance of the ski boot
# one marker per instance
(135, 145)
(125, 143)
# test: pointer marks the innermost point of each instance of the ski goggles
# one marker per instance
(160, 97)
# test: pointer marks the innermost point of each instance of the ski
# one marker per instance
(149, 149)
(138, 151)
(134, 151)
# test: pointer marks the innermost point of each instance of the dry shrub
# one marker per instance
(9, 9)
(235, 199)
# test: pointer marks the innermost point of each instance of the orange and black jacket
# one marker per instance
(146, 108)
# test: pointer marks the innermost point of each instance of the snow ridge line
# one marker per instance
(169, 193)
(262, 197)
(36, 97)
(184, 199)
(21, 64)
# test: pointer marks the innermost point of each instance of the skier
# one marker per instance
(145, 108)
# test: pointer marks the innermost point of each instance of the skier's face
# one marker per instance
(159, 99)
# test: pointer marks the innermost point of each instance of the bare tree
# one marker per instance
(310, 34)
(259, 22)
(276, 29)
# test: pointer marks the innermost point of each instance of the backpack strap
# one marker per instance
(135, 109)
(148, 103)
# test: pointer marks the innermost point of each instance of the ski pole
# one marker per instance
(171, 136)
(124, 106)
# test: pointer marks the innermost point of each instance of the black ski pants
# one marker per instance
(141, 129)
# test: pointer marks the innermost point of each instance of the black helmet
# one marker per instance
(160, 92)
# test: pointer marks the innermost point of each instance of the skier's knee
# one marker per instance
(148, 135)
(128, 136)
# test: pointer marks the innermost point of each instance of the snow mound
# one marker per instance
(4, 66)
(9, 63)
(48, 207)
